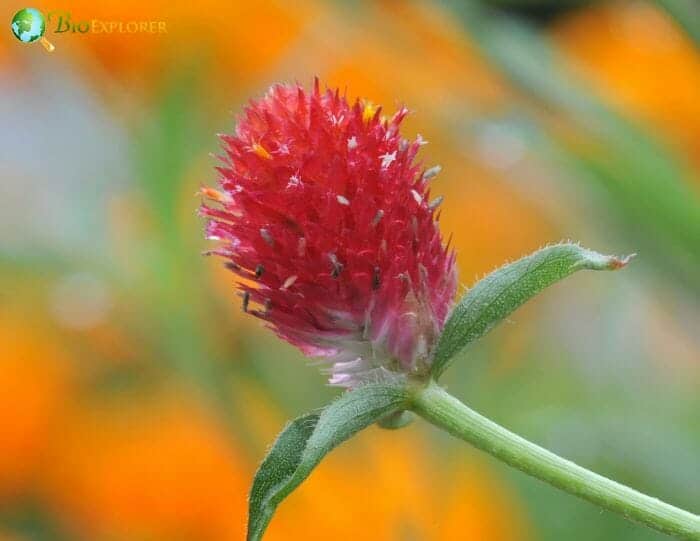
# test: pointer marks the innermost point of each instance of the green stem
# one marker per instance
(443, 410)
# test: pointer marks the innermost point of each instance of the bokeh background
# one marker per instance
(135, 398)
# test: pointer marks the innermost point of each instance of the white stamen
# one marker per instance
(335, 120)
(420, 140)
(430, 173)
(339, 379)
(435, 203)
(417, 196)
(342, 200)
(352, 143)
(349, 366)
(337, 265)
(294, 181)
(288, 282)
(265, 234)
(387, 159)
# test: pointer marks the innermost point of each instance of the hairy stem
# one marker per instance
(443, 410)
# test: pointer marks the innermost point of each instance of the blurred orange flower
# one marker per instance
(656, 77)
(157, 468)
(34, 386)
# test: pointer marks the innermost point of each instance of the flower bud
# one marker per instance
(325, 216)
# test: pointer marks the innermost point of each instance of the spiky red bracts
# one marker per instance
(325, 216)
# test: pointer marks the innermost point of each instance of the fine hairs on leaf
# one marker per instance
(504, 290)
(306, 440)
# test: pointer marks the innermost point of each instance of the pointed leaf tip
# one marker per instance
(504, 290)
(621, 262)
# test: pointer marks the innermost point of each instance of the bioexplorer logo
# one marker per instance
(30, 25)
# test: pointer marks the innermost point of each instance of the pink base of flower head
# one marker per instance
(325, 216)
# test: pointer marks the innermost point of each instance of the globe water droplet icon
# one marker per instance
(28, 26)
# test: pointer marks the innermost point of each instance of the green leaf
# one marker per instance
(271, 482)
(504, 290)
(306, 440)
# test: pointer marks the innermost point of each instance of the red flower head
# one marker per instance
(326, 217)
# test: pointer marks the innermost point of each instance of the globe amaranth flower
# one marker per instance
(325, 216)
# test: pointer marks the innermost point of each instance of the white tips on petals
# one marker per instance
(418, 198)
